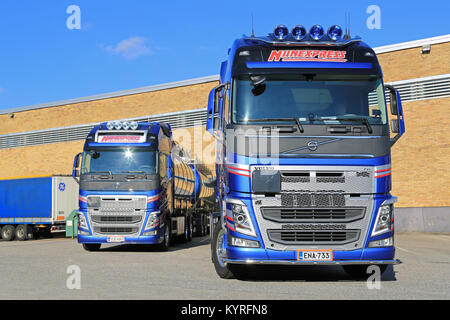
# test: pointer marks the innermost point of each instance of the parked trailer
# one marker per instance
(30, 207)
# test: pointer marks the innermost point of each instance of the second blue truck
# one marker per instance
(137, 186)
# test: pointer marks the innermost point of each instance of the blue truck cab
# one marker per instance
(303, 158)
(135, 187)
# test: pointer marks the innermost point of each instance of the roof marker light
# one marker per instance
(281, 32)
(299, 32)
(335, 32)
(316, 32)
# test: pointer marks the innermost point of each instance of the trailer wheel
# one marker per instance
(21, 232)
(8, 233)
(92, 246)
(360, 271)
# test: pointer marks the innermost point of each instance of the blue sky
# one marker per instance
(134, 43)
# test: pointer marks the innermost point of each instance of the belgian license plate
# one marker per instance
(315, 255)
(115, 239)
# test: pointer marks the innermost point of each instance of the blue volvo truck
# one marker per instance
(137, 186)
(303, 153)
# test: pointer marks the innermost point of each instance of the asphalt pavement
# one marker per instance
(48, 269)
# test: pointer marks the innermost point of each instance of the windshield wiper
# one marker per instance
(143, 172)
(362, 119)
(299, 125)
(96, 172)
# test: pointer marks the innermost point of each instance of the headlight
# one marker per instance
(242, 221)
(153, 220)
(384, 221)
(281, 32)
(109, 125)
(299, 32)
(117, 125)
(82, 223)
(316, 32)
(133, 125)
(335, 32)
(125, 125)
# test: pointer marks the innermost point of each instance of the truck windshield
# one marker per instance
(316, 99)
(119, 161)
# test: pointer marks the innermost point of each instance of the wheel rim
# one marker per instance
(7, 233)
(20, 233)
(219, 248)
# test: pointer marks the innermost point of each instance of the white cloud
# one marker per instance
(131, 48)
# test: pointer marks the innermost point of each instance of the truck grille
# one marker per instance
(116, 230)
(313, 200)
(280, 214)
(116, 219)
(117, 215)
(313, 237)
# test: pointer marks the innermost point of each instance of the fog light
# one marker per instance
(239, 242)
(150, 233)
(388, 242)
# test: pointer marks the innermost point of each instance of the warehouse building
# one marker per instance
(43, 139)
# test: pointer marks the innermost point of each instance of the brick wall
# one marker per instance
(420, 159)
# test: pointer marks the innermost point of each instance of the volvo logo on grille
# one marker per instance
(312, 145)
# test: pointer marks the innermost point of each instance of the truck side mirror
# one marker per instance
(398, 124)
(76, 164)
(214, 111)
(210, 112)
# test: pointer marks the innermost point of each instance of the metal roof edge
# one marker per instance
(412, 44)
(115, 94)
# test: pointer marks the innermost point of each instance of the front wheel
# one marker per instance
(218, 255)
(164, 246)
(360, 271)
(92, 246)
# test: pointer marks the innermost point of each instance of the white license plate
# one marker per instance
(115, 239)
(315, 255)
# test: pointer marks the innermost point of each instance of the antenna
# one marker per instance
(253, 29)
(349, 32)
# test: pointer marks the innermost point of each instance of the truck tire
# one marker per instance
(92, 246)
(164, 246)
(223, 270)
(21, 232)
(360, 271)
(8, 233)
